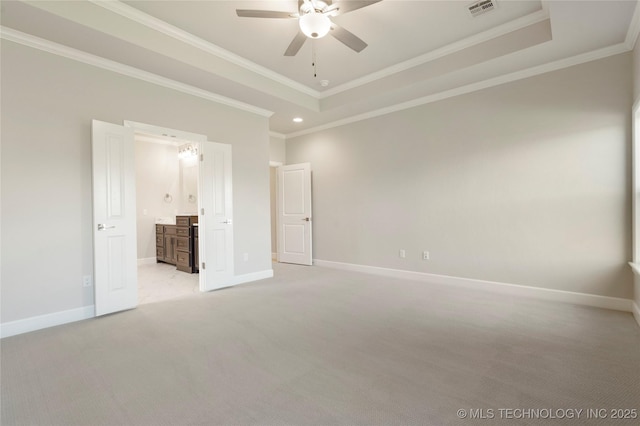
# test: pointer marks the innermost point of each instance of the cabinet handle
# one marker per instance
(102, 227)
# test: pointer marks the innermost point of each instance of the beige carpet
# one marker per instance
(316, 346)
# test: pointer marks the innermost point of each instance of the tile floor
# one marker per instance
(161, 281)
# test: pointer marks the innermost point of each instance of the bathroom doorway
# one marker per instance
(115, 213)
(166, 187)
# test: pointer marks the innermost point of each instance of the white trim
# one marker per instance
(192, 40)
(26, 325)
(634, 28)
(164, 132)
(147, 261)
(615, 303)
(635, 182)
(274, 256)
(473, 87)
(97, 61)
(636, 309)
(450, 49)
(277, 135)
(254, 276)
(636, 312)
(275, 163)
(199, 43)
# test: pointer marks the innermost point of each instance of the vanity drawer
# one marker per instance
(183, 232)
(160, 253)
(159, 229)
(182, 243)
(159, 240)
(170, 229)
(184, 261)
(183, 221)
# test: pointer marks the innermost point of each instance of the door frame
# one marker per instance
(165, 132)
(275, 165)
(284, 218)
(168, 133)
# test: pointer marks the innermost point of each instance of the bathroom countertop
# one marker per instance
(165, 221)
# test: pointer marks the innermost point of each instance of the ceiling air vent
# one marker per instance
(482, 6)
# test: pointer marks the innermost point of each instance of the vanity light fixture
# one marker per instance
(187, 151)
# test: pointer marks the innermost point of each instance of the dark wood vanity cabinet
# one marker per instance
(196, 248)
(177, 244)
(166, 240)
(185, 251)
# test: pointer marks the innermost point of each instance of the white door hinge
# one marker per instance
(203, 266)
(202, 211)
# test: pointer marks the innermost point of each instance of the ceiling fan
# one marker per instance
(313, 18)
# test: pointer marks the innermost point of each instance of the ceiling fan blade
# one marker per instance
(248, 13)
(342, 7)
(296, 44)
(348, 38)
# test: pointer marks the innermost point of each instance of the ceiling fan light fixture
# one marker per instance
(315, 25)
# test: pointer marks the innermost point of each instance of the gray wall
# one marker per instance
(525, 183)
(48, 103)
(157, 174)
(277, 149)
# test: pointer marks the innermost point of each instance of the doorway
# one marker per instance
(114, 213)
(166, 171)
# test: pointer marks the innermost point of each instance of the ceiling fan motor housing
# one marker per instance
(318, 5)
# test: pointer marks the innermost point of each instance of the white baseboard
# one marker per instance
(44, 321)
(615, 303)
(147, 261)
(274, 256)
(254, 276)
(636, 312)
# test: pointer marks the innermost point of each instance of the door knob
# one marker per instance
(226, 221)
(102, 227)
(306, 219)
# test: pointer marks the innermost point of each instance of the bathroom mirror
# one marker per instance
(189, 188)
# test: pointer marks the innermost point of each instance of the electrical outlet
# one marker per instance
(425, 255)
(86, 281)
(402, 254)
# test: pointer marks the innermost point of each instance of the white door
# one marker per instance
(294, 214)
(114, 218)
(216, 217)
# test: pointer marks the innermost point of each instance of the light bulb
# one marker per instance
(315, 25)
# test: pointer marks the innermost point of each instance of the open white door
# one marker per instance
(114, 218)
(294, 214)
(216, 214)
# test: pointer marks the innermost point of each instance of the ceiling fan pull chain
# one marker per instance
(313, 58)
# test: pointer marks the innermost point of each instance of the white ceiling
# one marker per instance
(418, 50)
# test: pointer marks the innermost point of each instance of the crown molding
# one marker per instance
(277, 135)
(449, 49)
(634, 28)
(474, 87)
(149, 21)
(97, 61)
